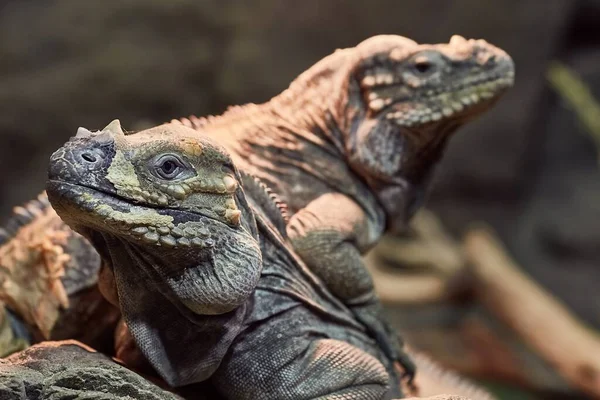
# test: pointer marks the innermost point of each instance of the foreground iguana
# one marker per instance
(350, 146)
(206, 284)
(36, 223)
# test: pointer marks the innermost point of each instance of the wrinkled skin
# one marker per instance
(116, 191)
(226, 299)
(351, 146)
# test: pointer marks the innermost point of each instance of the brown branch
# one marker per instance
(426, 261)
(394, 287)
(427, 248)
(533, 313)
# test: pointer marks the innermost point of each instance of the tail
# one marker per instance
(432, 379)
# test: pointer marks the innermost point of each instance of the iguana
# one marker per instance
(206, 284)
(349, 147)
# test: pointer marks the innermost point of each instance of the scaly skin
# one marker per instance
(351, 145)
(36, 217)
(206, 284)
(48, 277)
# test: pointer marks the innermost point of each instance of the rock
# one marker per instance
(71, 370)
(440, 397)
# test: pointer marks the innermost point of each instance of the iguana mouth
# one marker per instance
(438, 104)
(183, 254)
(482, 80)
(96, 209)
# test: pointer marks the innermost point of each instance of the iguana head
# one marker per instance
(164, 209)
(393, 104)
(165, 201)
(406, 99)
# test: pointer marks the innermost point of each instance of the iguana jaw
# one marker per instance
(194, 291)
(157, 286)
(201, 258)
(89, 208)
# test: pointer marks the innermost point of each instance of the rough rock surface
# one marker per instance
(70, 370)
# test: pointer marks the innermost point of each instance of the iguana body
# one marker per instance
(73, 322)
(351, 144)
(206, 284)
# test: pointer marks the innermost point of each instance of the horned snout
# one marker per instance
(82, 160)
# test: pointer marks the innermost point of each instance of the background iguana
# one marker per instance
(351, 145)
(206, 284)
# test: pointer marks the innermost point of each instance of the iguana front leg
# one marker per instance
(293, 357)
(330, 234)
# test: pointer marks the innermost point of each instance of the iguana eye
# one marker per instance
(422, 65)
(169, 167)
(427, 63)
(228, 168)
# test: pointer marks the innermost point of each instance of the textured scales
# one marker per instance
(289, 339)
(242, 310)
(430, 379)
(329, 134)
(351, 145)
(44, 266)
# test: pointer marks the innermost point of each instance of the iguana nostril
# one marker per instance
(491, 61)
(89, 157)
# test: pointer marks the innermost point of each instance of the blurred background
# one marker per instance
(529, 168)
